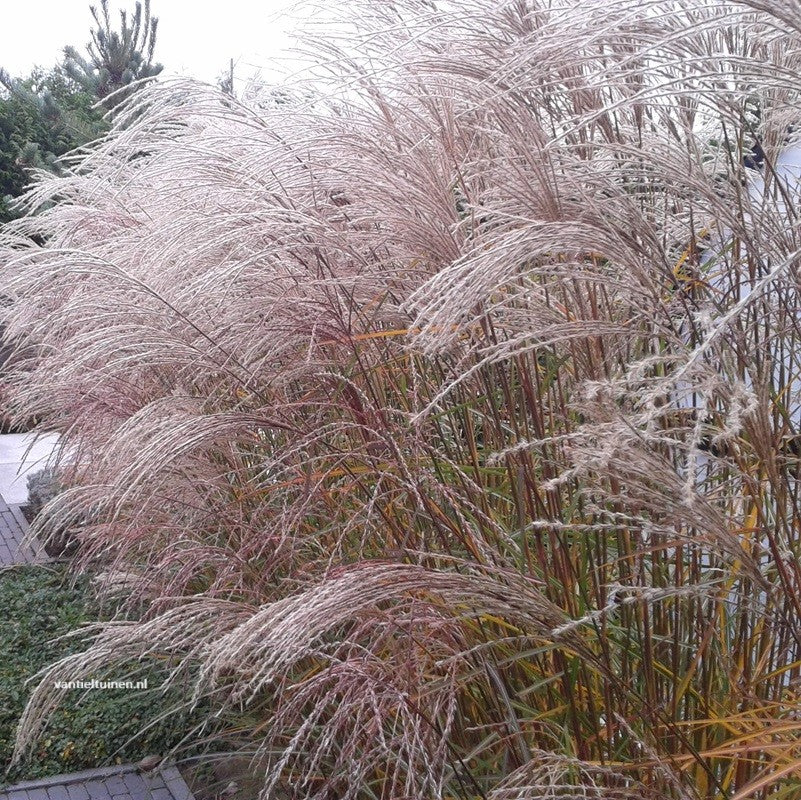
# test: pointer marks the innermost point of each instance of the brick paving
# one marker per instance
(13, 528)
(111, 783)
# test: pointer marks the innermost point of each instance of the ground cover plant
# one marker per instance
(41, 606)
(443, 417)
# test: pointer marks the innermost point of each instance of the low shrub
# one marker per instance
(43, 486)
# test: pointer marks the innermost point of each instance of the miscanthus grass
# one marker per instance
(443, 415)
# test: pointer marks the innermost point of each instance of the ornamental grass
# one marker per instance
(441, 413)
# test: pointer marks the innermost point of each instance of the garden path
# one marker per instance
(20, 455)
(13, 548)
(110, 783)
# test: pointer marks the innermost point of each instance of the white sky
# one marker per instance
(190, 40)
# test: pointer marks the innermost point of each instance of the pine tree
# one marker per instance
(115, 58)
(42, 117)
(49, 113)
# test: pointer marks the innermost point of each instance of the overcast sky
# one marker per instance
(190, 41)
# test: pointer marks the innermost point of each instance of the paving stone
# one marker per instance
(57, 793)
(97, 790)
(116, 785)
(156, 782)
(77, 791)
(134, 783)
(12, 533)
(175, 783)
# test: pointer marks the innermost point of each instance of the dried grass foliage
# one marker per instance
(446, 422)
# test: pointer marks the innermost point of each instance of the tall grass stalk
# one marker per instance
(444, 418)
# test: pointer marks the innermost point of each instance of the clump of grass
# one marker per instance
(444, 420)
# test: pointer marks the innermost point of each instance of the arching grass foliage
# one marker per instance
(444, 415)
